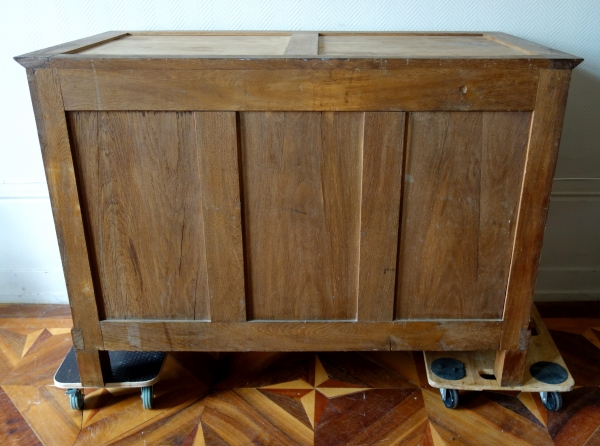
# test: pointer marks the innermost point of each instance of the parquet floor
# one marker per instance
(280, 399)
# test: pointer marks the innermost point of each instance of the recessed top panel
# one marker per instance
(414, 46)
(186, 45)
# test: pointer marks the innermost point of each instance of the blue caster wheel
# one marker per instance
(551, 400)
(147, 397)
(450, 398)
(76, 398)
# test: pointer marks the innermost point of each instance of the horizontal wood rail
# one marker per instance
(300, 336)
(300, 90)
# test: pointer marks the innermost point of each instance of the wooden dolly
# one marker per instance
(127, 369)
(545, 370)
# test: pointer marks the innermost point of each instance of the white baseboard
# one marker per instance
(46, 298)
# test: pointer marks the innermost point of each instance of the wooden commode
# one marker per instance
(300, 191)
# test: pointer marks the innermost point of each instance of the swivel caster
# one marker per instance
(450, 398)
(147, 397)
(75, 398)
(551, 400)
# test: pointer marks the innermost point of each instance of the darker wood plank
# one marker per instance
(546, 129)
(299, 90)
(301, 175)
(142, 197)
(19, 311)
(301, 336)
(94, 366)
(380, 209)
(217, 145)
(13, 427)
(462, 177)
(64, 196)
(509, 367)
(79, 62)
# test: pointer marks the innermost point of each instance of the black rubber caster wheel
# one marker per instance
(75, 398)
(147, 397)
(450, 398)
(551, 400)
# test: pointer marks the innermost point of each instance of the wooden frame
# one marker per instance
(64, 81)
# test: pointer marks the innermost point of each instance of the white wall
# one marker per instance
(30, 269)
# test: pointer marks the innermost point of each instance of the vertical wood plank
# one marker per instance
(141, 187)
(380, 207)
(302, 174)
(341, 173)
(64, 196)
(93, 366)
(461, 191)
(216, 139)
(546, 128)
(438, 247)
(504, 146)
(509, 367)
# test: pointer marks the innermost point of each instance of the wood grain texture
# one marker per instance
(64, 196)
(528, 47)
(542, 152)
(303, 44)
(373, 414)
(47, 411)
(531, 63)
(474, 49)
(93, 367)
(541, 348)
(142, 194)
(301, 336)
(302, 176)
(462, 177)
(39, 58)
(217, 144)
(299, 90)
(13, 425)
(191, 46)
(421, 46)
(380, 210)
(509, 367)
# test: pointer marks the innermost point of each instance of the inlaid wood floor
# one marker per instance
(283, 399)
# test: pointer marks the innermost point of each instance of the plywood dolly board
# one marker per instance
(127, 369)
(543, 358)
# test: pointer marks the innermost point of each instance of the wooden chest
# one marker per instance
(299, 191)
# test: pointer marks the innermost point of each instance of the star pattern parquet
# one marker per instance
(345, 398)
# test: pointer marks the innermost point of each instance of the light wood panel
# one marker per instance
(302, 180)
(380, 203)
(186, 45)
(301, 336)
(217, 145)
(542, 152)
(408, 89)
(462, 178)
(142, 193)
(303, 44)
(391, 49)
(419, 46)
